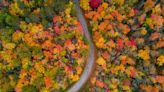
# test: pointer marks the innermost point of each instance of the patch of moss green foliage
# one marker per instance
(29, 88)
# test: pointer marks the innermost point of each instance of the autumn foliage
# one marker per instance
(128, 35)
(43, 47)
(42, 53)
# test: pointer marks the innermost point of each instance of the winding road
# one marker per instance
(91, 58)
(92, 51)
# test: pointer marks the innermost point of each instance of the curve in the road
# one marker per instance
(91, 58)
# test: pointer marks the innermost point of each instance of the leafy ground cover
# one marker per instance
(42, 46)
(129, 36)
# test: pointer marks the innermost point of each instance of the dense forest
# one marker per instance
(43, 47)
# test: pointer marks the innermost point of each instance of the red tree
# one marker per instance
(95, 3)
